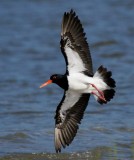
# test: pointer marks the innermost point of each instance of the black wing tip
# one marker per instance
(70, 12)
(76, 29)
(58, 150)
(66, 136)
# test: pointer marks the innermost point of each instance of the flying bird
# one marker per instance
(78, 82)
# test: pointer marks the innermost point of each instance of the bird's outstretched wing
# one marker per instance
(74, 45)
(68, 115)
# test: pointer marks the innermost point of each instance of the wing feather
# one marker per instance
(73, 37)
(68, 118)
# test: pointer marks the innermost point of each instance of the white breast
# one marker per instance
(79, 82)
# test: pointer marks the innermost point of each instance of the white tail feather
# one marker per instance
(104, 83)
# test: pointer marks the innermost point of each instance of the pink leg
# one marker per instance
(100, 92)
(100, 97)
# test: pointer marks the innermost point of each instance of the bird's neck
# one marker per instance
(63, 82)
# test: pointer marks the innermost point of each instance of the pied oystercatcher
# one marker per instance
(78, 82)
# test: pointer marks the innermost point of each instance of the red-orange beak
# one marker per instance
(46, 83)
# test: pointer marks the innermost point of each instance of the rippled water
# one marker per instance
(30, 53)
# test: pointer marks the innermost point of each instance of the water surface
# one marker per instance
(30, 53)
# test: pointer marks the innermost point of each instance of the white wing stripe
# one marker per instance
(71, 98)
(75, 63)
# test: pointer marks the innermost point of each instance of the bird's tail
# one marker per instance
(106, 84)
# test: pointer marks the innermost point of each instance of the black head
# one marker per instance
(60, 80)
(55, 78)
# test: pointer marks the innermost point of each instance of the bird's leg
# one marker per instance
(100, 97)
(100, 92)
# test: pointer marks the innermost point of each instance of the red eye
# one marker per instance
(54, 77)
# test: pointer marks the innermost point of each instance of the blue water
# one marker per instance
(30, 53)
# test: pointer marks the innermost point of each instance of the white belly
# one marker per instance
(82, 83)
(79, 82)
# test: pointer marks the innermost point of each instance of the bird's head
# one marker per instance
(59, 79)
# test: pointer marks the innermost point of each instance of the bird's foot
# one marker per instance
(101, 96)
(99, 91)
